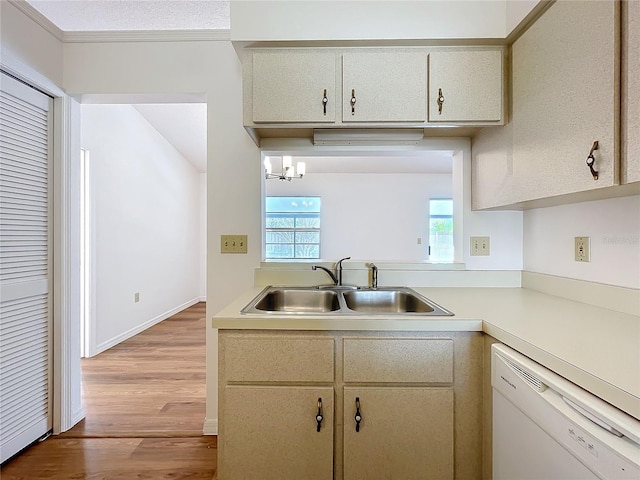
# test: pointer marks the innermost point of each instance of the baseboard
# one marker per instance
(142, 327)
(210, 426)
(203, 298)
(619, 299)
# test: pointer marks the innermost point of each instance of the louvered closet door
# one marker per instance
(25, 266)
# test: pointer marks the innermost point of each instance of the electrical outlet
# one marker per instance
(480, 246)
(136, 297)
(582, 250)
(233, 244)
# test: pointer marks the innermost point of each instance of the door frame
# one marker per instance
(87, 259)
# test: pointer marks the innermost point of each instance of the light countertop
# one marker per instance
(594, 347)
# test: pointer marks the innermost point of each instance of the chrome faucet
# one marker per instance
(329, 272)
(337, 276)
(374, 275)
(339, 269)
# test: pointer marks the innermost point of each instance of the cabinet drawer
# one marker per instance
(277, 358)
(394, 360)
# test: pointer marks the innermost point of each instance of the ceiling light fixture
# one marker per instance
(288, 170)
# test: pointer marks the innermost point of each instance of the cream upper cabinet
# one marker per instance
(290, 92)
(466, 86)
(294, 86)
(631, 93)
(384, 86)
(565, 98)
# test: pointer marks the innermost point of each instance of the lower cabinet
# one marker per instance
(391, 404)
(272, 433)
(403, 432)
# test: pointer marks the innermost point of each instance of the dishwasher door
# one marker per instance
(545, 427)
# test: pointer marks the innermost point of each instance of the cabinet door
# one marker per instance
(270, 433)
(289, 86)
(387, 87)
(405, 433)
(565, 98)
(469, 83)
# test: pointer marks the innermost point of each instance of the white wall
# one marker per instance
(614, 228)
(371, 216)
(212, 70)
(260, 20)
(32, 45)
(146, 215)
(264, 20)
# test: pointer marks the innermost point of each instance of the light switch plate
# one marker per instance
(480, 246)
(582, 249)
(233, 244)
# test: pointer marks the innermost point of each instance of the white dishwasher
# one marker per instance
(547, 428)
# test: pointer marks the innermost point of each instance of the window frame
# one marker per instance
(431, 217)
(295, 230)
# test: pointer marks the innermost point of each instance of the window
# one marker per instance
(441, 230)
(292, 227)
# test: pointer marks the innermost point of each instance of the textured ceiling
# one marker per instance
(110, 15)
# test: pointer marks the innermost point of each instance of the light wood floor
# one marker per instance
(145, 405)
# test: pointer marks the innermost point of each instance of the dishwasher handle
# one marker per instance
(589, 416)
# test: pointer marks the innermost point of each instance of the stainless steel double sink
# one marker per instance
(343, 301)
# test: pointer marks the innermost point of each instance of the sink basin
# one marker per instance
(340, 301)
(298, 300)
(394, 300)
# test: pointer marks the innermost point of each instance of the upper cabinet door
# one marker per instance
(466, 86)
(566, 93)
(384, 87)
(294, 87)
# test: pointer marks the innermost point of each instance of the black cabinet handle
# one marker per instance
(319, 417)
(325, 100)
(591, 160)
(353, 102)
(440, 101)
(358, 416)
